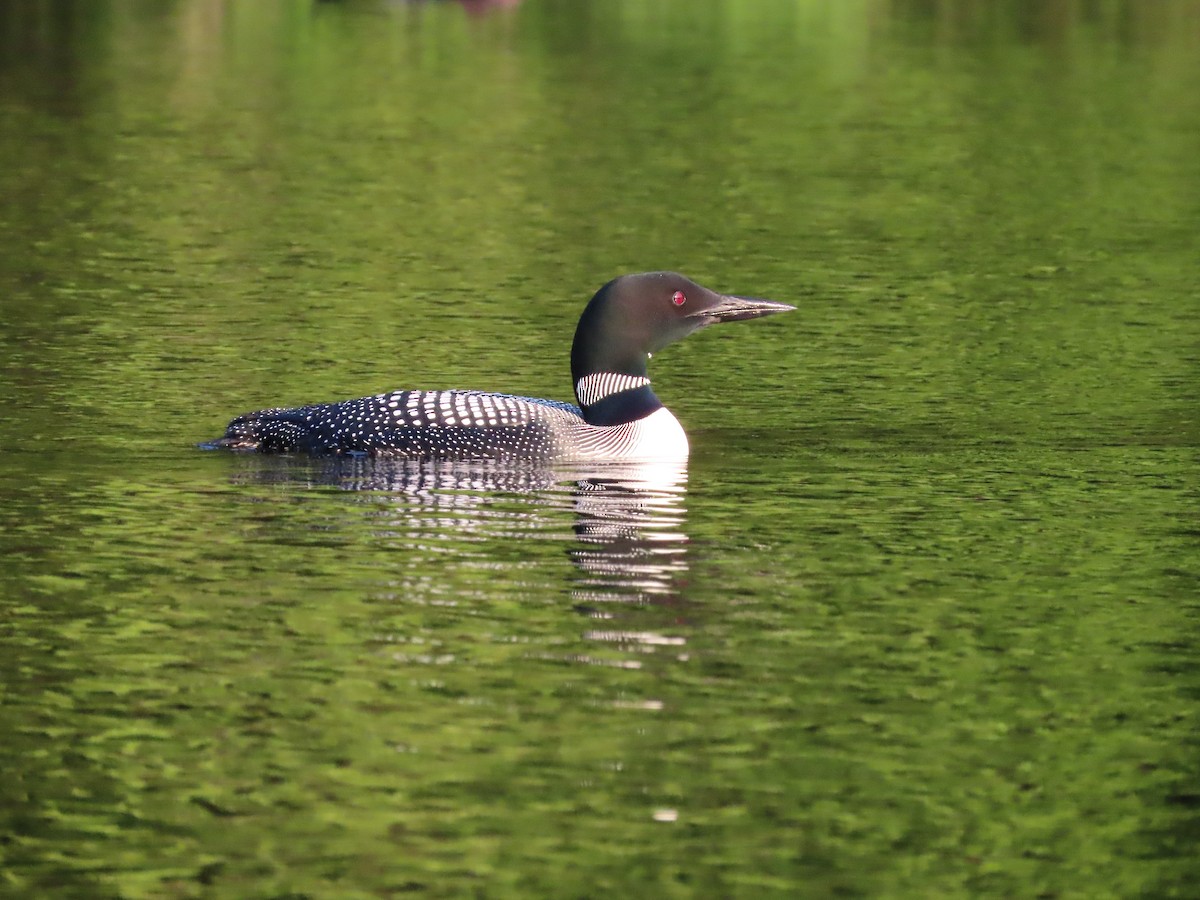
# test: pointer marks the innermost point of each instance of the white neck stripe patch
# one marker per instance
(594, 388)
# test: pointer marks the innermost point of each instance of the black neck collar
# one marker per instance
(622, 407)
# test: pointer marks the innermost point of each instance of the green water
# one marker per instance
(919, 619)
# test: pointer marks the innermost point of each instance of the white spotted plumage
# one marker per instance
(457, 425)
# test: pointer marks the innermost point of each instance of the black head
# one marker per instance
(636, 315)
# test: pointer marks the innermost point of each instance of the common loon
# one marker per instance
(618, 416)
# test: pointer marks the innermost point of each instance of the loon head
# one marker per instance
(634, 316)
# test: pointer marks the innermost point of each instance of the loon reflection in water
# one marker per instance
(618, 416)
(628, 519)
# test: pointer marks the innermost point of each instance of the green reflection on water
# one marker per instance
(923, 622)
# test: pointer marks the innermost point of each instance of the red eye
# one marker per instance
(678, 299)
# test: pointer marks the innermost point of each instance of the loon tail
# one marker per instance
(277, 430)
(227, 443)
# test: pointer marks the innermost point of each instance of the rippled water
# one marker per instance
(918, 618)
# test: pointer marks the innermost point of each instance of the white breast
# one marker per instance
(657, 436)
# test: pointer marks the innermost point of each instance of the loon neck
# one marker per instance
(614, 398)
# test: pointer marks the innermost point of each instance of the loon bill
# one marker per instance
(618, 416)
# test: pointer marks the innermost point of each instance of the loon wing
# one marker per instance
(422, 424)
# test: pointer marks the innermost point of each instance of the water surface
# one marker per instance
(919, 617)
